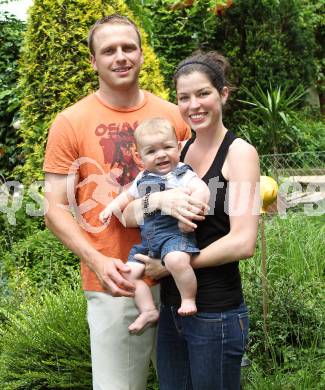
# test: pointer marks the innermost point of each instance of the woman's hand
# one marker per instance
(176, 202)
(179, 204)
(153, 267)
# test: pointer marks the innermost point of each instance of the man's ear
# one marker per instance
(179, 146)
(93, 61)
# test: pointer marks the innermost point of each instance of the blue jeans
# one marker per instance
(201, 352)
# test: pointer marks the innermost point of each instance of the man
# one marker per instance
(89, 159)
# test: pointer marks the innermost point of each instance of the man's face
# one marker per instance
(118, 57)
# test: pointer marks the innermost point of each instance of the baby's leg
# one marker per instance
(178, 264)
(143, 299)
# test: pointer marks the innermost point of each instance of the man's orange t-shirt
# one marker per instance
(95, 142)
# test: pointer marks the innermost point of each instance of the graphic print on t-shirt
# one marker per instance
(118, 146)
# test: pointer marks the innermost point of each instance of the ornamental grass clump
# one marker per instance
(45, 343)
(295, 322)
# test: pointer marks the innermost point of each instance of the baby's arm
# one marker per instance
(200, 191)
(116, 207)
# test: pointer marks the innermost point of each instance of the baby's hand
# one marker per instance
(184, 228)
(106, 214)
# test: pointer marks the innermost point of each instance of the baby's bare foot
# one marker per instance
(188, 307)
(145, 319)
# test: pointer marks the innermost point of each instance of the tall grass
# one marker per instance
(291, 354)
(295, 245)
(45, 344)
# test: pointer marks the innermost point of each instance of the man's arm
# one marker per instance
(61, 222)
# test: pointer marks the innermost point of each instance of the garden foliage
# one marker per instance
(175, 33)
(44, 339)
(267, 42)
(41, 259)
(45, 343)
(275, 124)
(56, 71)
(296, 321)
(314, 13)
(11, 31)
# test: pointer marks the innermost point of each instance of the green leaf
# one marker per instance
(5, 93)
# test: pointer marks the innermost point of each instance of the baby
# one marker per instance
(162, 235)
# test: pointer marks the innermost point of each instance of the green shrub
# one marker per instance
(270, 112)
(11, 31)
(175, 33)
(314, 11)
(41, 258)
(266, 41)
(272, 125)
(15, 224)
(309, 129)
(269, 41)
(56, 71)
(45, 344)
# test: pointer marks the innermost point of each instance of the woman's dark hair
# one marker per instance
(214, 65)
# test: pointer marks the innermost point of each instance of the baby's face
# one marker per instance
(159, 152)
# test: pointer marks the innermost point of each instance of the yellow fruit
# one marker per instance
(268, 191)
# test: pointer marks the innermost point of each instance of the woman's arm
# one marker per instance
(242, 169)
(244, 206)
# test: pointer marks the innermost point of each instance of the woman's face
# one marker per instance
(199, 102)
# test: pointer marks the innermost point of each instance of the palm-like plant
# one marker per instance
(271, 109)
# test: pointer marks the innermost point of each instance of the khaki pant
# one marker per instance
(120, 360)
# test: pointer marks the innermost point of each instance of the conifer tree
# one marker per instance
(56, 71)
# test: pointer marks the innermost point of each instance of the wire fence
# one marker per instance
(301, 180)
(293, 164)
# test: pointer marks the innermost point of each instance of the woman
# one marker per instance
(204, 351)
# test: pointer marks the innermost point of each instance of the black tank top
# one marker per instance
(219, 288)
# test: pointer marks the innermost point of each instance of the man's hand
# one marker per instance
(153, 267)
(184, 228)
(110, 273)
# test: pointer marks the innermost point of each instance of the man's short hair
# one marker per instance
(111, 19)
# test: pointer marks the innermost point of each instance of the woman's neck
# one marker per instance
(210, 138)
